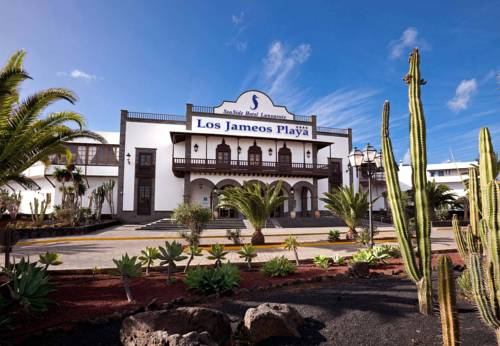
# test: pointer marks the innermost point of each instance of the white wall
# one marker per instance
(168, 188)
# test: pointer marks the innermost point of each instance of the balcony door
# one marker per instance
(144, 175)
(254, 155)
(223, 154)
(285, 157)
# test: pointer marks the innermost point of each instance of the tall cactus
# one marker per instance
(447, 301)
(482, 240)
(417, 265)
(38, 210)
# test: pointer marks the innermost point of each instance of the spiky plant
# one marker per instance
(25, 138)
(248, 253)
(171, 253)
(417, 263)
(256, 202)
(447, 302)
(148, 257)
(38, 210)
(127, 267)
(348, 205)
(291, 244)
(192, 251)
(217, 254)
(479, 245)
(50, 259)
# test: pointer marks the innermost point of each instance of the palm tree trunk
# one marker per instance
(351, 233)
(126, 286)
(296, 256)
(188, 263)
(258, 237)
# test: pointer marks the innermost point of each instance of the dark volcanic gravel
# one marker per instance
(377, 311)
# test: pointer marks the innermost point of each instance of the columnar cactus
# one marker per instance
(38, 210)
(447, 300)
(482, 239)
(418, 271)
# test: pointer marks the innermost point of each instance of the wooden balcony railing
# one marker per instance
(181, 165)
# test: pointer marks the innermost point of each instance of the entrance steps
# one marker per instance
(170, 225)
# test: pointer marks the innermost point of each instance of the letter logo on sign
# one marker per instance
(255, 103)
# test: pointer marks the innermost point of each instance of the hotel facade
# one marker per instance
(166, 159)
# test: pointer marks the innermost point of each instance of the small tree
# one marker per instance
(194, 217)
(128, 267)
(192, 251)
(291, 244)
(50, 259)
(248, 253)
(218, 254)
(171, 253)
(348, 205)
(148, 257)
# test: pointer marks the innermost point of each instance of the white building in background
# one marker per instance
(98, 162)
(168, 159)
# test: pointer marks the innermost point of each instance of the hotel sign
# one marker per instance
(253, 128)
(254, 104)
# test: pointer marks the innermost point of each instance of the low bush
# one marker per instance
(338, 260)
(334, 235)
(50, 259)
(321, 261)
(371, 256)
(209, 280)
(363, 236)
(278, 266)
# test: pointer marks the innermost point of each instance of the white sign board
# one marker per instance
(253, 128)
(256, 104)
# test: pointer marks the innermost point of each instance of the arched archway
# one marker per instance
(224, 212)
(201, 192)
(304, 195)
(288, 205)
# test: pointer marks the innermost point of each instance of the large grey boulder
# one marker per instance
(174, 327)
(269, 319)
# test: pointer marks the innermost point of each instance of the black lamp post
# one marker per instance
(371, 161)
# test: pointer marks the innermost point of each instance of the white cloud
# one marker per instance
(407, 158)
(78, 74)
(280, 63)
(238, 19)
(463, 94)
(409, 39)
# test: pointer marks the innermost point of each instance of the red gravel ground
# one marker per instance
(82, 297)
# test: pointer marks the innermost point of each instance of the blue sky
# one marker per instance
(337, 59)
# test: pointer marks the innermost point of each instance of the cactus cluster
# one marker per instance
(447, 305)
(38, 210)
(417, 262)
(479, 244)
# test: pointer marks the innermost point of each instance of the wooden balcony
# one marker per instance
(180, 165)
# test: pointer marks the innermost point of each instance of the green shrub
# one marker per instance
(372, 256)
(148, 257)
(338, 260)
(321, 261)
(278, 266)
(248, 253)
(334, 235)
(168, 255)
(50, 259)
(392, 250)
(209, 280)
(28, 285)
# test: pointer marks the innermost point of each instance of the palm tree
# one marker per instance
(25, 138)
(348, 205)
(256, 202)
(291, 244)
(439, 195)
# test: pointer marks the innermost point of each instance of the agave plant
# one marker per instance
(28, 285)
(321, 261)
(192, 251)
(171, 253)
(148, 257)
(218, 254)
(50, 259)
(128, 267)
(256, 202)
(26, 138)
(291, 244)
(248, 253)
(338, 259)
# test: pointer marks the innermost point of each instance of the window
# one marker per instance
(145, 160)
(334, 173)
(144, 196)
(254, 155)
(223, 154)
(284, 156)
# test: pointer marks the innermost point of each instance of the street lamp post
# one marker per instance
(371, 160)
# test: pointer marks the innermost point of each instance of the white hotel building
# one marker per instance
(167, 159)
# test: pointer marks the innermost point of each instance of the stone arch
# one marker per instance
(289, 204)
(305, 197)
(201, 192)
(225, 212)
(255, 181)
(226, 182)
